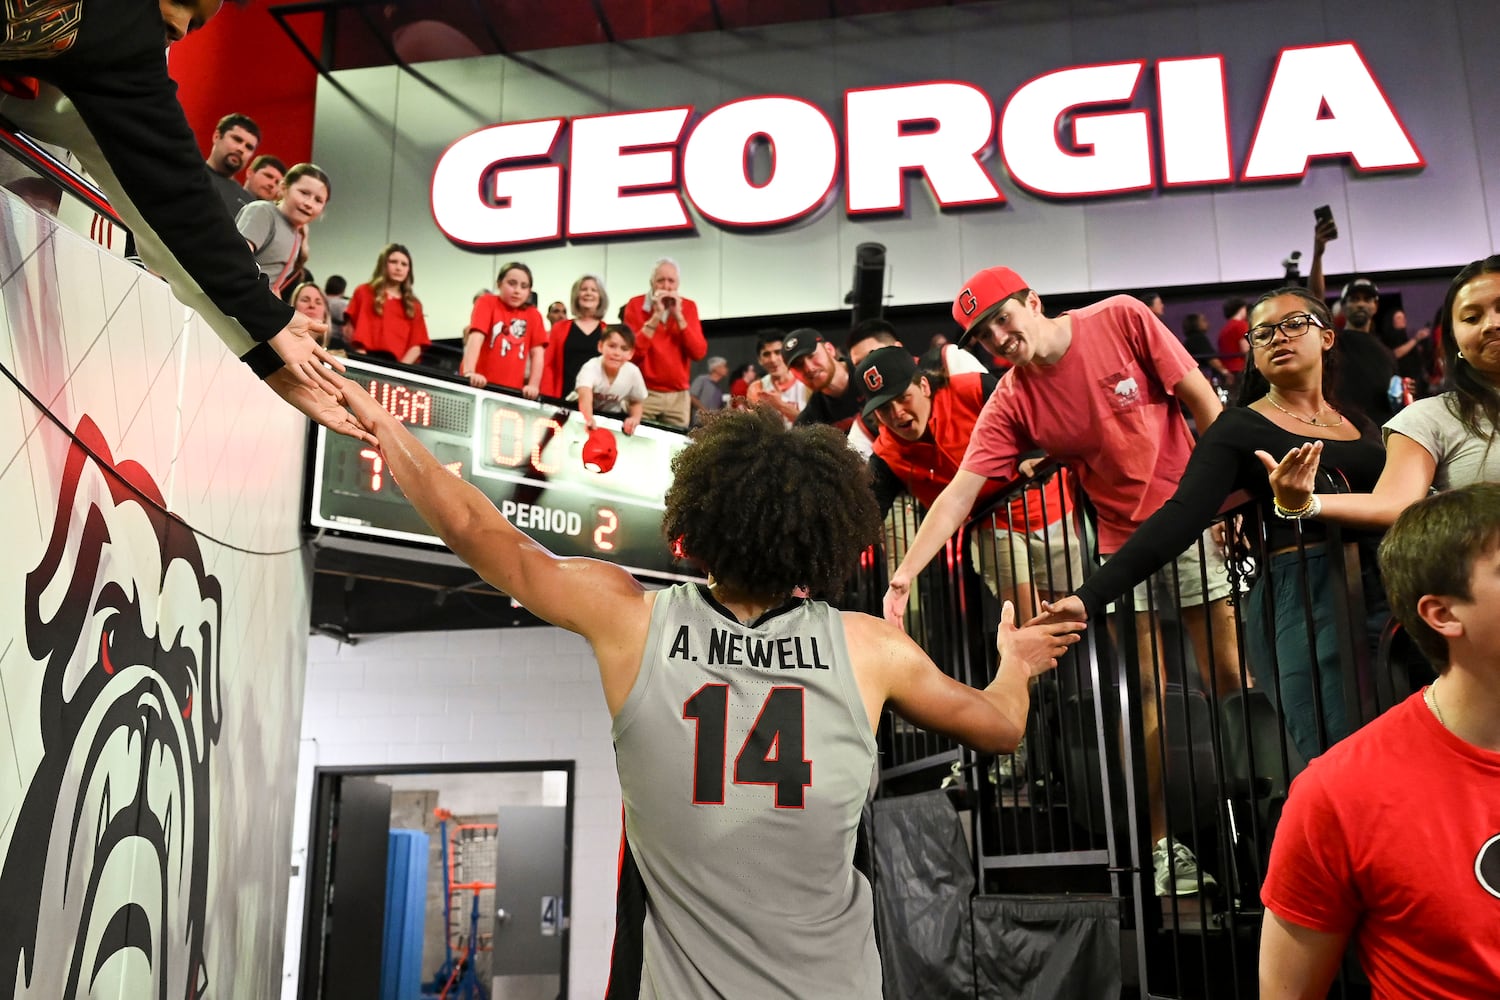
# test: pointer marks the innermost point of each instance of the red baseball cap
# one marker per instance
(980, 296)
(600, 450)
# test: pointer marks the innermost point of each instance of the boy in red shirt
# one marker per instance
(1393, 836)
(507, 339)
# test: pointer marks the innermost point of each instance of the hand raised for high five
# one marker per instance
(1034, 646)
(1293, 478)
(299, 345)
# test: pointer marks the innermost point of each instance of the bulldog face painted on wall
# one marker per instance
(110, 847)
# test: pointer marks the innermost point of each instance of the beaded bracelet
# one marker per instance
(1312, 508)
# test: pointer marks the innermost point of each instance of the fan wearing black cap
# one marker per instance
(1099, 389)
(835, 396)
(1366, 364)
(926, 420)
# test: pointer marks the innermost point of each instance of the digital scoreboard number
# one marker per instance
(528, 457)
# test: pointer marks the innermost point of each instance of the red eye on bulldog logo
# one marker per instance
(873, 379)
(967, 302)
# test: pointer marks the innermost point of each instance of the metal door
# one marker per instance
(531, 919)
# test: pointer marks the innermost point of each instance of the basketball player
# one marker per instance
(744, 718)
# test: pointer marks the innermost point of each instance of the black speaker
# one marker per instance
(868, 294)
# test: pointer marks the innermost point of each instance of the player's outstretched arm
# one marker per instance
(894, 670)
(595, 599)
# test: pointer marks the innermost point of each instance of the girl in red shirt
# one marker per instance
(506, 336)
(384, 318)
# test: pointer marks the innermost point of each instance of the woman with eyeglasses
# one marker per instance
(1440, 442)
(1286, 402)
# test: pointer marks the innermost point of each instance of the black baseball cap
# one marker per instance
(799, 344)
(884, 375)
(1360, 285)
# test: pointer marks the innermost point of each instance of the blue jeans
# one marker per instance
(1276, 613)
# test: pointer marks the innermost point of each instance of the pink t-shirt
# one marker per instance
(1393, 837)
(1105, 409)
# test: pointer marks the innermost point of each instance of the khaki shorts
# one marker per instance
(1186, 590)
(1051, 559)
(672, 408)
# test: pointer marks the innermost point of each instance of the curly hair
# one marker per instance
(765, 508)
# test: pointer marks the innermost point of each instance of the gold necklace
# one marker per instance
(1307, 420)
(1433, 703)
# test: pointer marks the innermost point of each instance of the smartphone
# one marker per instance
(1323, 214)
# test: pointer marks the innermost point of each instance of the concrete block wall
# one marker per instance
(477, 696)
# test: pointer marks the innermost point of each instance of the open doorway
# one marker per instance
(439, 881)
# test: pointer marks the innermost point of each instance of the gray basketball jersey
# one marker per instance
(745, 756)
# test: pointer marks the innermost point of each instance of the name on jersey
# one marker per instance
(727, 648)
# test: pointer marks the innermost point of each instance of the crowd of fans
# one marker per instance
(1340, 416)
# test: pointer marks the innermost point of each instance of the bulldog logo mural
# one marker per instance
(105, 881)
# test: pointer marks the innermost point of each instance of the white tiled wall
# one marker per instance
(491, 696)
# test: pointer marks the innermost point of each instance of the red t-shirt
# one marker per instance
(1232, 344)
(1105, 409)
(1393, 836)
(665, 354)
(510, 335)
(389, 331)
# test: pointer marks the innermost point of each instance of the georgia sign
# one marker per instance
(629, 173)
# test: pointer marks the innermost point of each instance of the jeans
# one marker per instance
(1276, 615)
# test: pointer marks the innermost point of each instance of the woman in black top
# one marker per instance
(572, 342)
(1286, 408)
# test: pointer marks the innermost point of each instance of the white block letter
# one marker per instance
(476, 207)
(941, 129)
(804, 161)
(1361, 124)
(601, 172)
(1194, 116)
(1115, 146)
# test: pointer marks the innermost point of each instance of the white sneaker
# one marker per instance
(1177, 872)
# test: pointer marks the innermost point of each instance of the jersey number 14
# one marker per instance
(774, 752)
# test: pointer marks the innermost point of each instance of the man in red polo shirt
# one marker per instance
(668, 339)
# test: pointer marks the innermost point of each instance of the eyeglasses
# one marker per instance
(1294, 326)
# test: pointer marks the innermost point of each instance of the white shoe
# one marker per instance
(1177, 872)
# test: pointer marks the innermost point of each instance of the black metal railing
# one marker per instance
(1296, 653)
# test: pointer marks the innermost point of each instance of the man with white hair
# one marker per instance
(668, 339)
(707, 392)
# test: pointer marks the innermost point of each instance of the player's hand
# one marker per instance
(630, 424)
(1027, 467)
(320, 406)
(1034, 647)
(478, 381)
(1293, 478)
(530, 391)
(366, 410)
(896, 596)
(299, 348)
